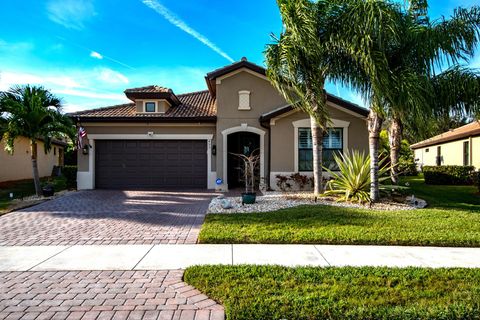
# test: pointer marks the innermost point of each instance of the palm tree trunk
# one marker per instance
(395, 139)
(317, 150)
(374, 128)
(36, 176)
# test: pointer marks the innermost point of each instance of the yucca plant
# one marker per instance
(352, 180)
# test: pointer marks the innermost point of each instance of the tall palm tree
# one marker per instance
(316, 46)
(296, 67)
(423, 46)
(35, 113)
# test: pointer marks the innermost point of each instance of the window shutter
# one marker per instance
(304, 138)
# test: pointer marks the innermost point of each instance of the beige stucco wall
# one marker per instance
(161, 105)
(131, 128)
(19, 165)
(283, 137)
(263, 98)
(451, 153)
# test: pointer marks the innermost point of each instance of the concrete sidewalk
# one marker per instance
(167, 257)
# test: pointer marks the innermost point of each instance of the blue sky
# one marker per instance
(89, 51)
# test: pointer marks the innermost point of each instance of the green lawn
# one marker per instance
(24, 188)
(273, 292)
(452, 219)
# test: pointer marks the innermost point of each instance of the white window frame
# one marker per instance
(305, 123)
(145, 106)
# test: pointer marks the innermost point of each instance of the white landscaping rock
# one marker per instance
(273, 201)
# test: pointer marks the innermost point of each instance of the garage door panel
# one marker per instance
(140, 164)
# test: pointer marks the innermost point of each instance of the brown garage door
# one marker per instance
(143, 164)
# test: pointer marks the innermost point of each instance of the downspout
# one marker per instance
(268, 127)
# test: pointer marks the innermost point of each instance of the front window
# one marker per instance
(332, 144)
(149, 106)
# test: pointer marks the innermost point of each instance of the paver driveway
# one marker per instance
(106, 217)
(103, 295)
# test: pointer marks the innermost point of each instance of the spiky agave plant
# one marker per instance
(352, 180)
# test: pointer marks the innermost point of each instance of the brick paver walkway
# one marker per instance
(106, 217)
(103, 295)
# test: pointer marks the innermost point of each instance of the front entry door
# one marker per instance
(242, 143)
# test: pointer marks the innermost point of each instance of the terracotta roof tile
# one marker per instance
(148, 89)
(469, 130)
(195, 105)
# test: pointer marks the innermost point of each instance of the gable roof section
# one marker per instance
(330, 98)
(193, 107)
(244, 63)
(466, 131)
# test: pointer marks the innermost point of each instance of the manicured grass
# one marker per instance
(453, 219)
(273, 292)
(25, 188)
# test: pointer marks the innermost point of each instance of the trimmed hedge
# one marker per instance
(477, 180)
(70, 173)
(449, 175)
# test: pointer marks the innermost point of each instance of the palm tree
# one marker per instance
(35, 113)
(297, 68)
(413, 92)
(317, 46)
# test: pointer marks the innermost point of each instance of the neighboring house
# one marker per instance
(186, 140)
(459, 147)
(19, 165)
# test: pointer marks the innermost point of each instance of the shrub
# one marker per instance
(449, 175)
(407, 167)
(294, 181)
(70, 173)
(352, 182)
(478, 180)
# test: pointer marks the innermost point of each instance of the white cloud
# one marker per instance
(75, 86)
(15, 47)
(100, 87)
(89, 94)
(71, 14)
(113, 77)
(96, 55)
(179, 23)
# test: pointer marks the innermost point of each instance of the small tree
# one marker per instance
(35, 113)
(250, 164)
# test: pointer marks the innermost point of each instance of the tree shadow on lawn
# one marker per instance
(302, 216)
(445, 197)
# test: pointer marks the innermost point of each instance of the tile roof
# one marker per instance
(148, 89)
(194, 106)
(469, 130)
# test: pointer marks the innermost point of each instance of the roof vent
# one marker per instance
(244, 58)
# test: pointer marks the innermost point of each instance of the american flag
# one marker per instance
(82, 133)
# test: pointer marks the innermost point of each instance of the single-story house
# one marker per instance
(18, 166)
(460, 146)
(162, 139)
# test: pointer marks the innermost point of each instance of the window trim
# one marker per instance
(336, 149)
(305, 123)
(154, 106)
(244, 93)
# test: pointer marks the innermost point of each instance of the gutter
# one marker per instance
(145, 119)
